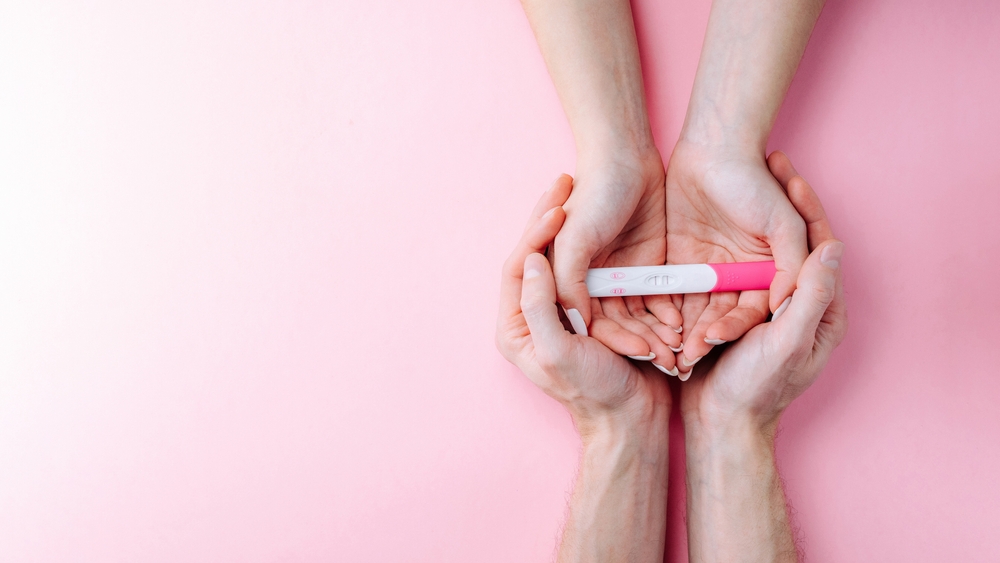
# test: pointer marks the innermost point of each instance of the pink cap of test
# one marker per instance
(743, 276)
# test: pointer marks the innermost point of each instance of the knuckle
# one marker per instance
(822, 293)
(509, 266)
(548, 361)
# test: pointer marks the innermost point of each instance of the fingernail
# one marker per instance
(576, 321)
(678, 330)
(677, 349)
(781, 309)
(672, 372)
(684, 361)
(685, 376)
(531, 273)
(831, 255)
(644, 358)
(549, 212)
(714, 341)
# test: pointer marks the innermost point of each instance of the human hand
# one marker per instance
(594, 383)
(754, 379)
(724, 205)
(616, 217)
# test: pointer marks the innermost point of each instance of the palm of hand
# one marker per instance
(615, 216)
(722, 210)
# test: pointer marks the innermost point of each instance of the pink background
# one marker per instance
(249, 257)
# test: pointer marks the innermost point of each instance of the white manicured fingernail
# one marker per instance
(684, 361)
(685, 376)
(531, 273)
(644, 358)
(672, 372)
(714, 341)
(781, 309)
(549, 212)
(677, 349)
(576, 321)
(678, 330)
(831, 255)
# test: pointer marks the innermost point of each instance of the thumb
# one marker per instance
(817, 286)
(538, 304)
(570, 261)
(789, 247)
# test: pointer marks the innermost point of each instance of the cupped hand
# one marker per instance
(616, 217)
(755, 378)
(726, 206)
(591, 380)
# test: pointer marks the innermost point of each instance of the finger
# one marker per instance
(616, 310)
(808, 205)
(613, 335)
(570, 260)
(664, 308)
(555, 196)
(817, 288)
(637, 310)
(787, 239)
(789, 246)
(833, 326)
(692, 306)
(538, 303)
(781, 168)
(695, 346)
(535, 239)
(750, 311)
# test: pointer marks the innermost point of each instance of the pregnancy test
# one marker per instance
(679, 278)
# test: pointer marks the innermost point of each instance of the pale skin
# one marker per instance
(731, 408)
(721, 203)
(615, 215)
(620, 408)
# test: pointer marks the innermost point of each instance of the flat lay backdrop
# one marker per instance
(249, 258)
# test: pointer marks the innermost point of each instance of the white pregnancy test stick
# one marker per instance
(679, 278)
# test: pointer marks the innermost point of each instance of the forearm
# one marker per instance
(736, 507)
(618, 507)
(751, 51)
(590, 49)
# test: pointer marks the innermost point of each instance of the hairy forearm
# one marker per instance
(751, 51)
(590, 49)
(736, 506)
(618, 508)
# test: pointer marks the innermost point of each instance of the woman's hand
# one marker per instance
(616, 217)
(726, 206)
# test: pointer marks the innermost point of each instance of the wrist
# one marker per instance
(731, 435)
(637, 428)
(712, 131)
(626, 145)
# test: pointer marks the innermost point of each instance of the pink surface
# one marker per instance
(743, 276)
(249, 258)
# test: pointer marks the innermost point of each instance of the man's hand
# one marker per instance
(731, 406)
(618, 509)
(593, 382)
